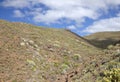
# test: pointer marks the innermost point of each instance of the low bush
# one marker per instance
(112, 75)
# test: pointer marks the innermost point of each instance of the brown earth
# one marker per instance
(35, 54)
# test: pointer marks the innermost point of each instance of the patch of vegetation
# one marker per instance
(14, 80)
(32, 64)
(47, 54)
(110, 46)
(76, 57)
(64, 68)
(112, 75)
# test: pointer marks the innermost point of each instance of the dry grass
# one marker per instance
(33, 54)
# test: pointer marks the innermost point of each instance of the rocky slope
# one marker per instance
(36, 54)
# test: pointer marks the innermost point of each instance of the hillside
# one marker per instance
(104, 39)
(35, 54)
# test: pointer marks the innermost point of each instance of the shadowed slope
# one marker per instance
(104, 39)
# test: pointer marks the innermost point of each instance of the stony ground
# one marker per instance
(35, 54)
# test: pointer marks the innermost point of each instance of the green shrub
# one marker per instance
(111, 75)
(14, 80)
(76, 57)
(110, 46)
(32, 64)
(64, 68)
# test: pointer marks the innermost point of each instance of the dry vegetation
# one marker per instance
(36, 54)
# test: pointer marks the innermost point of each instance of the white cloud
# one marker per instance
(52, 16)
(72, 27)
(118, 14)
(70, 9)
(111, 24)
(18, 13)
(16, 3)
(112, 2)
(74, 10)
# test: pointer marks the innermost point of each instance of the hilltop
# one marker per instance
(30, 53)
(104, 39)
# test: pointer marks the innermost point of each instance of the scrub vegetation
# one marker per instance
(38, 54)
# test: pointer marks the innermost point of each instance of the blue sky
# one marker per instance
(80, 16)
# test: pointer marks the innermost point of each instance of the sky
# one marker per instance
(80, 16)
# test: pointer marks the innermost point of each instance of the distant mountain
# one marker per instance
(35, 54)
(104, 39)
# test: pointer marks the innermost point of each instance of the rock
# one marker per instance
(27, 43)
(38, 49)
(25, 40)
(31, 42)
(57, 42)
(36, 45)
(118, 50)
(22, 44)
(77, 40)
(56, 45)
(51, 49)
